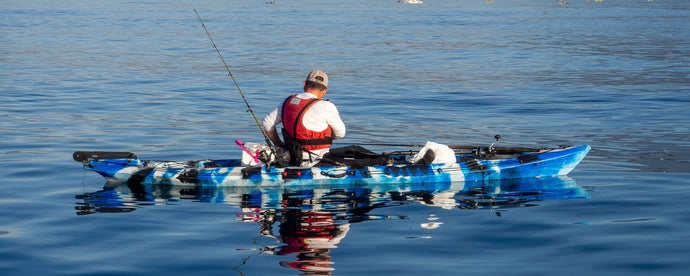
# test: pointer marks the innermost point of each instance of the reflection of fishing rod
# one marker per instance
(268, 141)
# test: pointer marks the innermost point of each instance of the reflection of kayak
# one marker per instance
(308, 221)
(351, 202)
(479, 164)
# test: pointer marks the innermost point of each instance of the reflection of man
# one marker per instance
(308, 234)
(311, 235)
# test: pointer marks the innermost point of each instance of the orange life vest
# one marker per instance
(293, 113)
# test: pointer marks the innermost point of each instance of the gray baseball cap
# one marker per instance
(318, 76)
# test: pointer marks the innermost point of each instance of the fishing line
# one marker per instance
(268, 141)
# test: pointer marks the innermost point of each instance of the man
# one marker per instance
(310, 124)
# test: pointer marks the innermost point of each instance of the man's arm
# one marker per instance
(269, 123)
(273, 135)
(337, 125)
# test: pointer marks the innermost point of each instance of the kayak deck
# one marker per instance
(230, 172)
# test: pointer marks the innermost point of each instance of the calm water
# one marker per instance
(141, 76)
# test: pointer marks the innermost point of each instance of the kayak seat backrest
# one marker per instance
(354, 156)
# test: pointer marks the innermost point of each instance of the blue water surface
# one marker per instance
(142, 76)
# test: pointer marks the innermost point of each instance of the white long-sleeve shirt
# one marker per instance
(317, 118)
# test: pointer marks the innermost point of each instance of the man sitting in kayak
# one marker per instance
(310, 124)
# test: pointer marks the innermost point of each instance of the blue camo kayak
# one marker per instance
(469, 166)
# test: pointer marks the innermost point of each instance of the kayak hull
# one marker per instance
(552, 162)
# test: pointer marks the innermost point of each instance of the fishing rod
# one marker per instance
(415, 145)
(268, 141)
(490, 148)
(457, 147)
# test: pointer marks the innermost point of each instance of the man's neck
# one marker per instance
(315, 92)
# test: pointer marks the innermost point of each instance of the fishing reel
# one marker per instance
(487, 151)
(279, 159)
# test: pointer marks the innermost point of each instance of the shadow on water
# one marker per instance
(311, 220)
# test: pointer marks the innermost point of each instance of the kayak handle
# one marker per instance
(339, 175)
